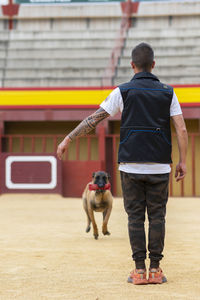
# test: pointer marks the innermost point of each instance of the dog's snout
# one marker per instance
(100, 182)
(101, 179)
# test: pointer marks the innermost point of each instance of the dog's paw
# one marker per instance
(106, 233)
(88, 229)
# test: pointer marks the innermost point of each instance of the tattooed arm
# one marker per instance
(82, 129)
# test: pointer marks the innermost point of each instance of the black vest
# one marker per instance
(145, 134)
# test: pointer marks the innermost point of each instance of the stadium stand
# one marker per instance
(177, 52)
(67, 45)
(65, 58)
(73, 45)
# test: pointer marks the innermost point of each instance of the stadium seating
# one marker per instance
(177, 54)
(53, 46)
(65, 58)
(79, 58)
(3, 52)
(59, 45)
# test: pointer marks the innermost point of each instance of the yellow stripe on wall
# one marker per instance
(77, 97)
(188, 94)
(53, 97)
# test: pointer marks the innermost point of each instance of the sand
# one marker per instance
(45, 253)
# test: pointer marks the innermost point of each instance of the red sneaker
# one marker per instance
(138, 276)
(156, 276)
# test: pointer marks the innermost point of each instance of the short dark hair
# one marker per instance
(143, 56)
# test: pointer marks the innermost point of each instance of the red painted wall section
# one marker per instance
(129, 7)
(10, 10)
(30, 176)
(44, 173)
(31, 172)
(72, 176)
(76, 174)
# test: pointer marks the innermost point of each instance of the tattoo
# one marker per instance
(88, 124)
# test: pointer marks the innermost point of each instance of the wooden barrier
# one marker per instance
(30, 173)
(75, 170)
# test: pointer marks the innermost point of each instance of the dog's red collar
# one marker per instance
(95, 187)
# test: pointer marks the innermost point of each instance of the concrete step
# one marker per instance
(163, 33)
(163, 71)
(124, 72)
(179, 80)
(4, 35)
(58, 53)
(45, 82)
(53, 72)
(169, 80)
(168, 51)
(2, 63)
(165, 42)
(57, 63)
(3, 45)
(65, 43)
(169, 61)
(71, 10)
(1, 74)
(2, 54)
(63, 35)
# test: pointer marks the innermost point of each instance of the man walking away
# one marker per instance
(144, 156)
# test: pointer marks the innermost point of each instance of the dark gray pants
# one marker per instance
(141, 192)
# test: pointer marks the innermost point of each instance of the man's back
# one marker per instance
(145, 125)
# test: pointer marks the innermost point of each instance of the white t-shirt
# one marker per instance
(112, 105)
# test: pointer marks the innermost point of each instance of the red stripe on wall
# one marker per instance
(23, 107)
(191, 104)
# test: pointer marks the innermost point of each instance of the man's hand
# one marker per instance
(62, 147)
(180, 171)
(182, 138)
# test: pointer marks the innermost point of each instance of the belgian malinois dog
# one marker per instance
(97, 197)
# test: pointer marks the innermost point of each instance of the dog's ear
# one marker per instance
(93, 175)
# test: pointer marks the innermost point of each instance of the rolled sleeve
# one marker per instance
(175, 108)
(113, 103)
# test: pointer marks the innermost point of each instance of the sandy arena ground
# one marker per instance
(45, 253)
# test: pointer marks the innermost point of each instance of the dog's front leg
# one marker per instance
(86, 211)
(106, 215)
(95, 229)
